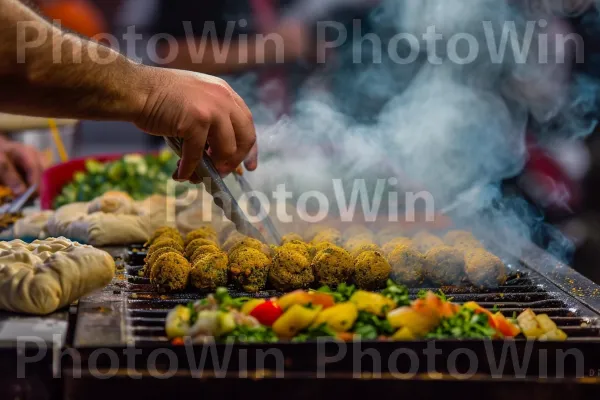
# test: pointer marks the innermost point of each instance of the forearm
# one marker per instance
(46, 72)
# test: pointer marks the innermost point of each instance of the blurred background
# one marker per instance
(561, 178)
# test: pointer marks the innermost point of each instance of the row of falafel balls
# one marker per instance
(205, 260)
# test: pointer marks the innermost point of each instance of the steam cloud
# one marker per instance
(455, 130)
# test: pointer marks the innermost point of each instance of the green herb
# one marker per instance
(246, 334)
(423, 293)
(341, 294)
(193, 313)
(370, 326)
(227, 302)
(313, 333)
(398, 293)
(465, 324)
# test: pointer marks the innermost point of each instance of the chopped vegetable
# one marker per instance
(178, 322)
(315, 332)
(466, 324)
(342, 293)
(420, 321)
(339, 318)
(294, 320)
(398, 293)
(370, 326)
(251, 305)
(303, 298)
(372, 302)
(246, 334)
(267, 312)
(529, 324)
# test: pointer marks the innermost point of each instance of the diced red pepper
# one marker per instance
(267, 313)
(177, 342)
(504, 326)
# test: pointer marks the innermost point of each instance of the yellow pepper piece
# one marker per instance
(403, 334)
(178, 322)
(295, 319)
(340, 317)
(419, 322)
(251, 305)
(374, 303)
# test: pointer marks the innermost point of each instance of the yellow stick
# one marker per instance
(60, 147)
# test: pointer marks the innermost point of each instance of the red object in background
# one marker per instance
(267, 313)
(55, 178)
(546, 182)
(80, 16)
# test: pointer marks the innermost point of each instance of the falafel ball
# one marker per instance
(210, 271)
(249, 269)
(252, 243)
(389, 233)
(150, 260)
(291, 237)
(232, 240)
(358, 250)
(290, 270)
(227, 229)
(194, 244)
(170, 273)
(371, 270)
(305, 249)
(204, 232)
(164, 231)
(357, 230)
(333, 266)
(357, 241)
(330, 235)
(445, 265)
(322, 246)
(165, 242)
(408, 265)
(425, 241)
(312, 231)
(391, 245)
(484, 269)
(463, 240)
(201, 251)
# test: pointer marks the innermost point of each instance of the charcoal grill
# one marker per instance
(130, 313)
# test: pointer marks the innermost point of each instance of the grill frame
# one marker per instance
(131, 319)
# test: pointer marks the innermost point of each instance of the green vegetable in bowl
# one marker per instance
(139, 176)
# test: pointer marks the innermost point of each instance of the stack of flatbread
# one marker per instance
(112, 219)
(45, 275)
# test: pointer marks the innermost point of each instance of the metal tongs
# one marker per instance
(221, 194)
(17, 205)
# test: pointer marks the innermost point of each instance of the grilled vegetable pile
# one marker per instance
(347, 313)
(139, 176)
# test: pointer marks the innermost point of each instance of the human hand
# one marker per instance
(20, 166)
(199, 109)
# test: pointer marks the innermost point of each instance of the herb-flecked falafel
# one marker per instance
(290, 270)
(210, 271)
(445, 265)
(371, 270)
(170, 273)
(249, 269)
(408, 265)
(484, 269)
(333, 266)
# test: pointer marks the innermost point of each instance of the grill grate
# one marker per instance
(146, 310)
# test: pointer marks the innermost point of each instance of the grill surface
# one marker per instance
(129, 312)
(146, 310)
